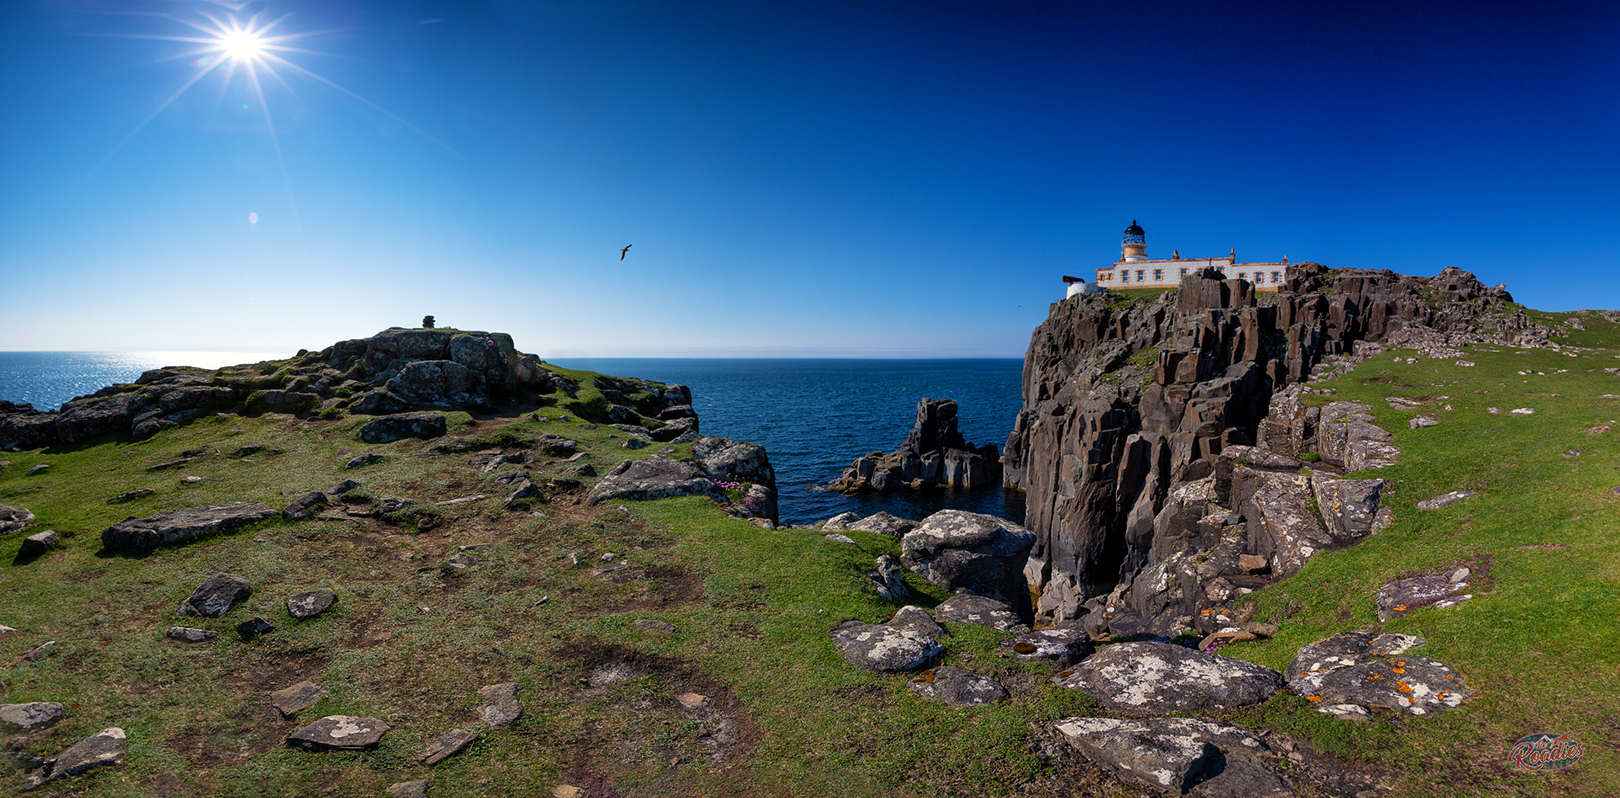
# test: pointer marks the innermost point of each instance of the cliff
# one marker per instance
(1126, 403)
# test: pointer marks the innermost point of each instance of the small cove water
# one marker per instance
(813, 416)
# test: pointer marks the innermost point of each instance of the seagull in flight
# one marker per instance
(625, 251)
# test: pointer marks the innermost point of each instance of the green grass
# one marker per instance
(412, 639)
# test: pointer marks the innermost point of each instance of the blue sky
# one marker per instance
(817, 178)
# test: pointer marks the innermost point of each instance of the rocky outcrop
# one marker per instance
(400, 426)
(1181, 756)
(934, 454)
(743, 465)
(656, 477)
(178, 526)
(394, 371)
(1352, 673)
(962, 551)
(1129, 408)
(13, 519)
(904, 643)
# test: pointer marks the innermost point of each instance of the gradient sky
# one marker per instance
(797, 178)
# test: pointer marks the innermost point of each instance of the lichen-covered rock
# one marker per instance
(980, 611)
(30, 717)
(979, 553)
(1445, 499)
(1402, 596)
(400, 426)
(290, 701)
(501, 707)
(215, 597)
(913, 618)
(339, 733)
(741, 461)
(887, 579)
(178, 526)
(13, 519)
(1160, 678)
(884, 648)
(1356, 668)
(1179, 756)
(956, 688)
(656, 477)
(884, 524)
(311, 603)
(1063, 645)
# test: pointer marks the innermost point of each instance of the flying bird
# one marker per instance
(625, 251)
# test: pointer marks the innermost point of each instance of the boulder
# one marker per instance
(187, 634)
(104, 748)
(526, 491)
(979, 553)
(311, 603)
(1179, 756)
(290, 701)
(339, 733)
(656, 477)
(912, 618)
(1350, 507)
(839, 522)
(438, 383)
(140, 535)
(215, 597)
(675, 428)
(36, 544)
(1063, 645)
(634, 443)
(956, 688)
(1358, 669)
(980, 611)
(13, 519)
(449, 744)
(400, 426)
(886, 648)
(306, 505)
(253, 627)
(884, 524)
(501, 707)
(1161, 678)
(740, 461)
(31, 717)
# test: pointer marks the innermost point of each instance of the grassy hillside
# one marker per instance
(413, 637)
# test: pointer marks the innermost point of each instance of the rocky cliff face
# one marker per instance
(1128, 407)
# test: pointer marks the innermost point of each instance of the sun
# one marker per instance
(241, 44)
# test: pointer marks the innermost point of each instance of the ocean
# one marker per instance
(813, 416)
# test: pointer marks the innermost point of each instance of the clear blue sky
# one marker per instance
(810, 178)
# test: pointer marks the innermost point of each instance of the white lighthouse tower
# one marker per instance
(1134, 247)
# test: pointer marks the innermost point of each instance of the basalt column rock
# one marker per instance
(1126, 404)
(934, 454)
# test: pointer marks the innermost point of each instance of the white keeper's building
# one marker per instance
(1135, 270)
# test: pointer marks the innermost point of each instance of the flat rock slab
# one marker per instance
(311, 603)
(1402, 596)
(339, 733)
(501, 707)
(1445, 499)
(31, 717)
(884, 648)
(214, 597)
(449, 744)
(177, 526)
(101, 749)
(1063, 646)
(913, 618)
(307, 505)
(1161, 678)
(956, 688)
(187, 634)
(980, 611)
(400, 426)
(979, 553)
(290, 701)
(555, 445)
(1179, 756)
(13, 519)
(1358, 669)
(656, 477)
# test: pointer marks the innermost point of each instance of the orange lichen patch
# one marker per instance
(1449, 676)
(1400, 608)
(1402, 686)
(1315, 698)
(1398, 670)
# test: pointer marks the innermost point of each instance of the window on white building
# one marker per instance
(1183, 272)
(1274, 276)
(1125, 275)
(1139, 273)
(1158, 274)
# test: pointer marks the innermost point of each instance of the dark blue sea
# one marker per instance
(812, 416)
